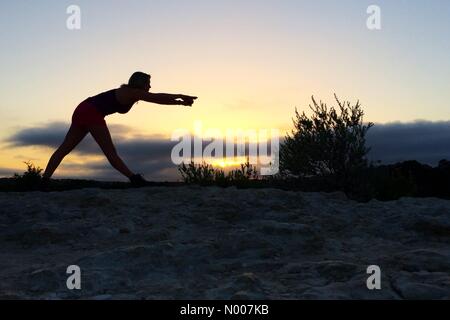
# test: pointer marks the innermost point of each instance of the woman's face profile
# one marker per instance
(147, 86)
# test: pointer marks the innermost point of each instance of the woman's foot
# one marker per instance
(138, 180)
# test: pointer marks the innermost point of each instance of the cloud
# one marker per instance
(50, 135)
(8, 172)
(146, 154)
(421, 140)
(424, 141)
(150, 155)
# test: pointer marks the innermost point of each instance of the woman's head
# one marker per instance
(139, 80)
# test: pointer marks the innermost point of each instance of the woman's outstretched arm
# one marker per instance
(165, 98)
(162, 98)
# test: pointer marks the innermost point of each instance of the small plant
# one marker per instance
(245, 173)
(30, 178)
(220, 178)
(206, 174)
(197, 173)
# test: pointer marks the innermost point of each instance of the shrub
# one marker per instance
(197, 173)
(245, 173)
(205, 173)
(30, 179)
(329, 144)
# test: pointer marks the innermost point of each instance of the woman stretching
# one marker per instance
(89, 117)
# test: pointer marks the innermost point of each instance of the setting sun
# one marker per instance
(228, 163)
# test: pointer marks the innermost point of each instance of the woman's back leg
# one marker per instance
(72, 139)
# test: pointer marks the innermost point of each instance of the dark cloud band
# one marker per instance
(424, 141)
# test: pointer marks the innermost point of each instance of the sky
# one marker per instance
(251, 63)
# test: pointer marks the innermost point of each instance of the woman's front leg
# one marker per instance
(103, 138)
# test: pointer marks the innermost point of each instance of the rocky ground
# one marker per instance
(194, 242)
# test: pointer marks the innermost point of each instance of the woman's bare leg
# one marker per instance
(73, 137)
(103, 138)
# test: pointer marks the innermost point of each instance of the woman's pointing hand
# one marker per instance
(187, 100)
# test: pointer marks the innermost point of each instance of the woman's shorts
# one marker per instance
(87, 115)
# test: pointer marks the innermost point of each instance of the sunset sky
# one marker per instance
(249, 62)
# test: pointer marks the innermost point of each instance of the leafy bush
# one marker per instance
(30, 179)
(329, 144)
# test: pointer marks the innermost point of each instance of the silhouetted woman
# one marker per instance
(89, 117)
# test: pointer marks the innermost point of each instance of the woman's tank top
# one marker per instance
(106, 103)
